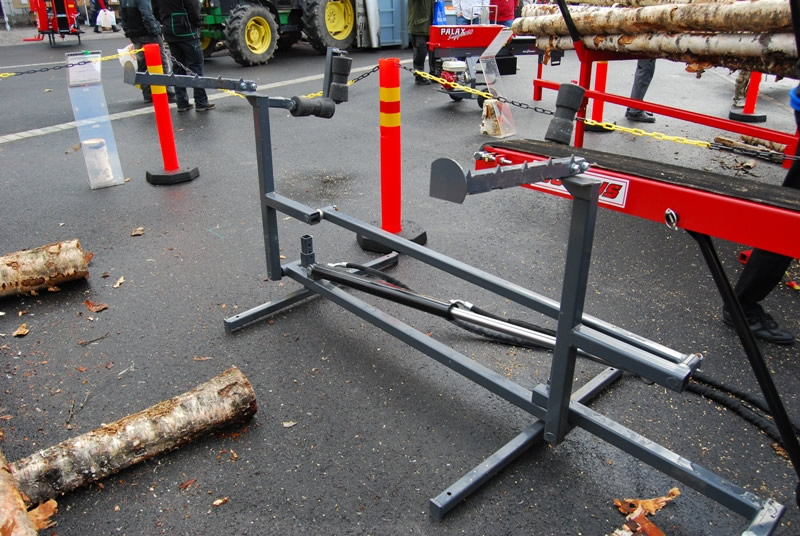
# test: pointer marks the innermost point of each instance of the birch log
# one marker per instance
(766, 53)
(14, 520)
(638, 3)
(223, 400)
(752, 17)
(43, 267)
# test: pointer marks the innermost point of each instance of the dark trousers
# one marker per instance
(642, 78)
(764, 270)
(419, 45)
(141, 65)
(188, 55)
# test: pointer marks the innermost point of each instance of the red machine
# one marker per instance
(56, 17)
(468, 43)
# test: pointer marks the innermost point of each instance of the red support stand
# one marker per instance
(172, 172)
(391, 161)
(600, 76)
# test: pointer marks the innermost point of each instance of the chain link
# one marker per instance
(358, 78)
(766, 154)
(68, 65)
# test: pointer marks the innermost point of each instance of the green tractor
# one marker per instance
(252, 30)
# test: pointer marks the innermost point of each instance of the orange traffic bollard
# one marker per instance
(172, 173)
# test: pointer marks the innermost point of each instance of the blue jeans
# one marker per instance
(463, 21)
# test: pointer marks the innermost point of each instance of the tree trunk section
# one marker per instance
(640, 3)
(14, 520)
(226, 399)
(766, 53)
(753, 17)
(43, 267)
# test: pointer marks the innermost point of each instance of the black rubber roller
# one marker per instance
(321, 107)
(568, 102)
(340, 70)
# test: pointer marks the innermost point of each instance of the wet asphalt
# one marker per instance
(379, 427)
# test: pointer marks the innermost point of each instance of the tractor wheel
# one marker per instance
(209, 46)
(251, 34)
(329, 23)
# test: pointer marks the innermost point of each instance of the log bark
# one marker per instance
(226, 399)
(766, 53)
(14, 520)
(768, 16)
(43, 267)
(639, 3)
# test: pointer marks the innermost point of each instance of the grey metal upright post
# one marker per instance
(266, 183)
(576, 273)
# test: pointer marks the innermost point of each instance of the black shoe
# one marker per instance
(172, 99)
(185, 108)
(96, 30)
(640, 116)
(420, 81)
(763, 326)
(114, 29)
(206, 107)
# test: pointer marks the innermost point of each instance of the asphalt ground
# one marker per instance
(380, 428)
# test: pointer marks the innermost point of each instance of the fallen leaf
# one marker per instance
(220, 502)
(40, 516)
(34, 293)
(138, 231)
(21, 331)
(109, 365)
(201, 358)
(288, 424)
(81, 369)
(22, 312)
(127, 179)
(104, 275)
(119, 282)
(95, 307)
(53, 289)
(6, 418)
(187, 484)
(234, 456)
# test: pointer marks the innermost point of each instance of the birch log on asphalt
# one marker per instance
(14, 520)
(226, 399)
(770, 16)
(43, 267)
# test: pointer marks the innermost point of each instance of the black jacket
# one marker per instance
(180, 19)
(139, 19)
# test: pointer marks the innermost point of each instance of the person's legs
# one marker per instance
(419, 45)
(641, 81)
(181, 95)
(194, 61)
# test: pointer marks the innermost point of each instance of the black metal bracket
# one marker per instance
(132, 77)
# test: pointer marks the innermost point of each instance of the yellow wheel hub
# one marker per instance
(339, 18)
(257, 35)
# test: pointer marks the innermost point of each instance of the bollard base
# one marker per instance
(597, 128)
(737, 115)
(172, 177)
(410, 231)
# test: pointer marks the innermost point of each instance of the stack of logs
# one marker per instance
(754, 36)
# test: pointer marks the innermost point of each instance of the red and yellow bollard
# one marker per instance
(172, 172)
(391, 161)
(391, 145)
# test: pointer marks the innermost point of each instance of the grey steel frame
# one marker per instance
(555, 407)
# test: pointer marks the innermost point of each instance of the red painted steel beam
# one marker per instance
(728, 218)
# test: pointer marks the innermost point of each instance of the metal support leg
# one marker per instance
(579, 252)
(753, 352)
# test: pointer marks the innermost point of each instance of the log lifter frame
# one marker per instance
(555, 408)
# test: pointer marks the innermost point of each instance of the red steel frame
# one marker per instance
(588, 57)
(716, 215)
